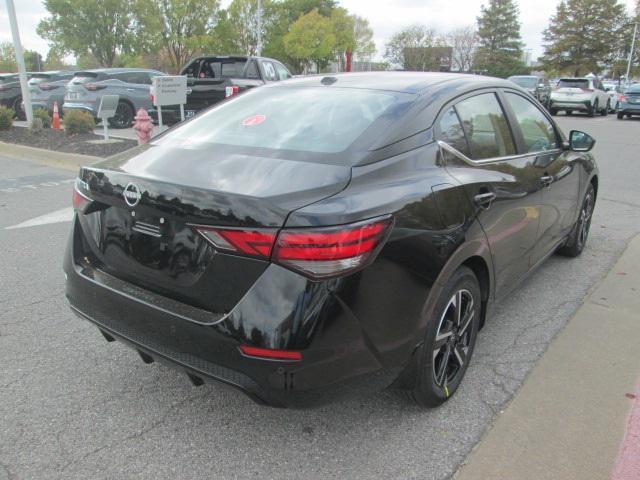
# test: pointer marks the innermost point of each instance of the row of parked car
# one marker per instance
(207, 78)
(582, 94)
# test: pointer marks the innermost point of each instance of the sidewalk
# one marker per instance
(569, 419)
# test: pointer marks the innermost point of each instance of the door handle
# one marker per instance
(546, 180)
(483, 200)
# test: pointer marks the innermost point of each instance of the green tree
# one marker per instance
(237, 28)
(54, 60)
(33, 61)
(411, 47)
(583, 36)
(311, 38)
(499, 50)
(7, 58)
(177, 27)
(101, 28)
(282, 15)
(365, 48)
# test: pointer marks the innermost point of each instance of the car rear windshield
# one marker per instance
(633, 89)
(305, 119)
(573, 83)
(213, 68)
(525, 82)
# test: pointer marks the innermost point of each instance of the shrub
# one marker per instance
(36, 126)
(43, 115)
(77, 121)
(6, 118)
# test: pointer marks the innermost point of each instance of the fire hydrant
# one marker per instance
(143, 126)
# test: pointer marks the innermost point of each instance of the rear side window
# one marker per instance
(539, 135)
(252, 70)
(282, 72)
(221, 68)
(573, 83)
(451, 132)
(486, 127)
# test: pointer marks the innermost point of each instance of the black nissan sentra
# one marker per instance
(327, 235)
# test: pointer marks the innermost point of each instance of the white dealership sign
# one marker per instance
(169, 90)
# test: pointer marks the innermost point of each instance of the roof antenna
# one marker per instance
(328, 80)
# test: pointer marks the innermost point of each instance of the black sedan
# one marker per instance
(332, 234)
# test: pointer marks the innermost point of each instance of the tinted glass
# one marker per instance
(269, 71)
(221, 68)
(282, 72)
(573, 83)
(486, 127)
(539, 135)
(252, 71)
(525, 82)
(303, 119)
(451, 132)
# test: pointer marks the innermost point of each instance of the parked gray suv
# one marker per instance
(47, 88)
(86, 88)
(10, 93)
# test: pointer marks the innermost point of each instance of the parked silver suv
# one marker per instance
(86, 88)
(47, 88)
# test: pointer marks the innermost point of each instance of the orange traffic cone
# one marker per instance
(56, 117)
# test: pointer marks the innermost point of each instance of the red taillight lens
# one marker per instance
(622, 98)
(231, 91)
(327, 252)
(48, 86)
(79, 200)
(271, 354)
(92, 87)
(257, 243)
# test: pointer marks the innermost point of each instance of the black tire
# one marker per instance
(578, 238)
(593, 109)
(569, 112)
(620, 115)
(438, 371)
(553, 112)
(123, 117)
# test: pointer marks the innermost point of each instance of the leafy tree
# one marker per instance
(311, 38)
(343, 26)
(7, 58)
(418, 39)
(175, 26)
(499, 46)
(33, 61)
(237, 28)
(101, 28)
(54, 60)
(464, 42)
(282, 15)
(365, 48)
(583, 35)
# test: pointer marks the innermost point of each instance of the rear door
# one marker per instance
(480, 152)
(554, 169)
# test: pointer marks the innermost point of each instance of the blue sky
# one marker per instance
(385, 17)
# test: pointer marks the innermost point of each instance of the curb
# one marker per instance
(67, 161)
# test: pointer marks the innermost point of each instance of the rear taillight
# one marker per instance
(231, 91)
(327, 252)
(92, 87)
(47, 86)
(256, 243)
(317, 253)
(622, 98)
(80, 201)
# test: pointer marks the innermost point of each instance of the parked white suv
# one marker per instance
(579, 94)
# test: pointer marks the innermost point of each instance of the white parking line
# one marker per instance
(59, 216)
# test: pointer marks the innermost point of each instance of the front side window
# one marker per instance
(486, 127)
(539, 135)
(451, 131)
(282, 72)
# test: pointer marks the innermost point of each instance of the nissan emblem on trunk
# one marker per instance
(132, 194)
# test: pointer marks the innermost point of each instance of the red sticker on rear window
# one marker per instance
(253, 120)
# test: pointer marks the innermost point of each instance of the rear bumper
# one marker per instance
(568, 105)
(629, 108)
(338, 360)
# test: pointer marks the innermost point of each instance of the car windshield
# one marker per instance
(525, 82)
(573, 83)
(306, 119)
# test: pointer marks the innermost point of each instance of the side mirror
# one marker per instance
(580, 141)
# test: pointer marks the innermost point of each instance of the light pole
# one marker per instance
(17, 46)
(259, 46)
(633, 46)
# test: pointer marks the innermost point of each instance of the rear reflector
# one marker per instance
(327, 252)
(231, 91)
(271, 354)
(257, 243)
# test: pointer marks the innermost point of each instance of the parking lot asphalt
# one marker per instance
(74, 406)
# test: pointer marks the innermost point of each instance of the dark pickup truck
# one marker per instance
(211, 79)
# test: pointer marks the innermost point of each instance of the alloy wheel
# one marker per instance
(453, 339)
(585, 219)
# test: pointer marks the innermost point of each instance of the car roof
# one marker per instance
(406, 82)
(116, 70)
